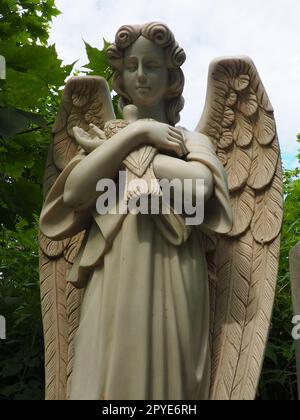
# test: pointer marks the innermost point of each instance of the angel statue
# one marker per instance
(146, 306)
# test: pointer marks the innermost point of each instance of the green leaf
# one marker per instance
(98, 63)
(11, 122)
(12, 368)
(34, 118)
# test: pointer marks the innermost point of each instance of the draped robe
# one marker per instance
(144, 322)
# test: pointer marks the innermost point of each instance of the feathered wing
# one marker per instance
(86, 100)
(239, 119)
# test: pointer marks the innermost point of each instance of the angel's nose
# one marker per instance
(141, 74)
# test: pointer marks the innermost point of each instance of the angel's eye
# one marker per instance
(131, 67)
(151, 65)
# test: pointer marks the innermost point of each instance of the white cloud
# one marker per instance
(268, 31)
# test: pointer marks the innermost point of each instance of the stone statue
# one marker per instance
(145, 306)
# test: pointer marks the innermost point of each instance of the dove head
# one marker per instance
(130, 113)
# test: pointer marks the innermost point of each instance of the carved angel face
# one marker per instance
(145, 74)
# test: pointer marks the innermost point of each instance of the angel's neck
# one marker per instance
(157, 113)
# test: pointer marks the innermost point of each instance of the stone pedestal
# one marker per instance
(295, 281)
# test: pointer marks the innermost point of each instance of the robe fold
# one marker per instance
(144, 323)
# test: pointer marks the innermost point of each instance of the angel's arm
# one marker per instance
(104, 162)
(170, 168)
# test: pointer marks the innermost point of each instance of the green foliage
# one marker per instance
(279, 373)
(21, 362)
(26, 21)
(98, 64)
(29, 100)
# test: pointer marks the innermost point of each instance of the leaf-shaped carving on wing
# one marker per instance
(267, 219)
(243, 130)
(238, 167)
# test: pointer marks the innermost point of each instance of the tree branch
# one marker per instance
(31, 130)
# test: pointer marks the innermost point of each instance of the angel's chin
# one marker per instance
(145, 101)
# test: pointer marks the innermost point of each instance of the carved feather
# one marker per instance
(228, 117)
(243, 130)
(263, 165)
(73, 246)
(212, 279)
(50, 248)
(247, 258)
(73, 301)
(51, 172)
(258, 317)
(234, 268)
(238, 167)
(242, 203)
(265, 129)
(53, 300)
(247, 103)
(231, 99)
(240, 83)
(226, 139)
(223, 156)
(267, 219)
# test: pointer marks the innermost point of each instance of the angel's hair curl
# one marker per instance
(162, 36)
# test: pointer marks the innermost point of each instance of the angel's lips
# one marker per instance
(143, 88)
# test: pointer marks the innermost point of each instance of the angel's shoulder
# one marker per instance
(196, 138)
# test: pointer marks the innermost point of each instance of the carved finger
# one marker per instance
(179, 135)
(85, 141)
(97, 131)
(176, 136)
(79, 133)
(175, 146)
(179, 143)
(176, 130)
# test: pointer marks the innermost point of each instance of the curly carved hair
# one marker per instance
(162, 36)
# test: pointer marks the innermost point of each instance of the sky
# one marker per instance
(268, 31)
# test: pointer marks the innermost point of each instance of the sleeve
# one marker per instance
(218, 212)
(57, 220)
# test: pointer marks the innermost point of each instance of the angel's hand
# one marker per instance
(162, 136)
(97, 132)
(86, 140)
